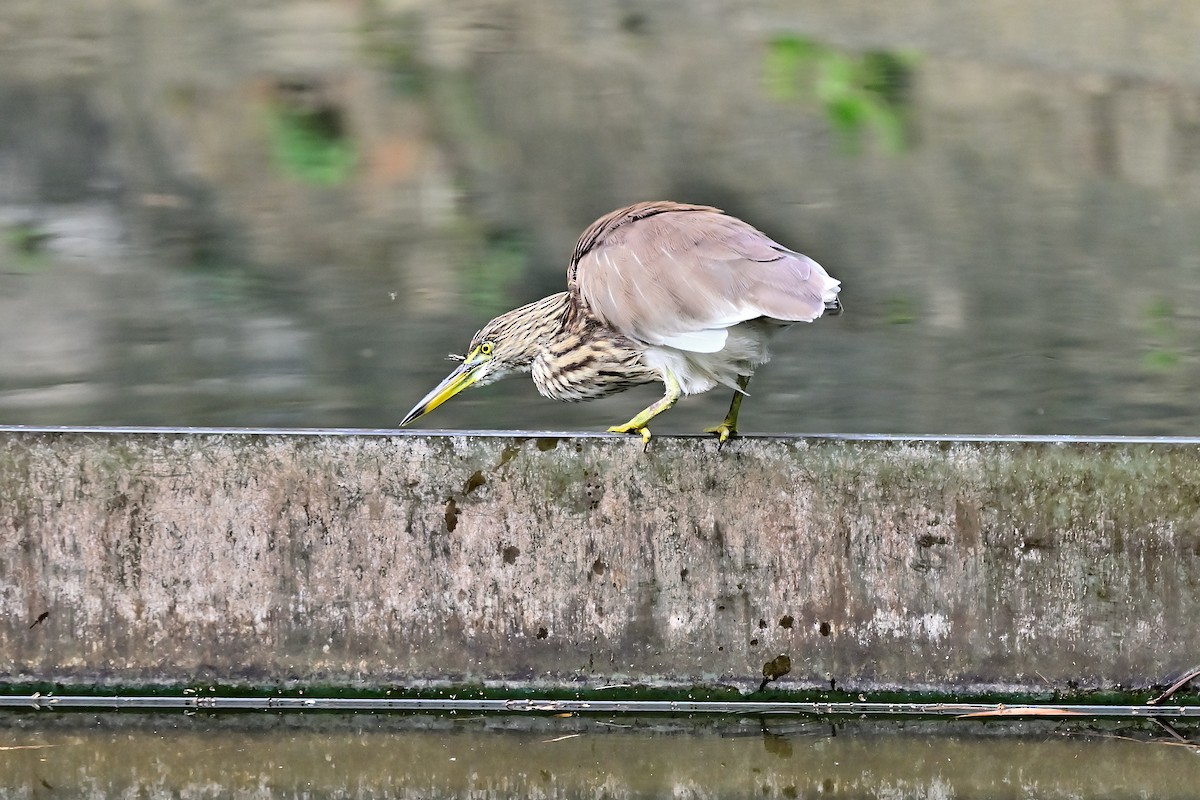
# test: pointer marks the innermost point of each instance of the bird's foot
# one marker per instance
(630, 427)
(725, 431)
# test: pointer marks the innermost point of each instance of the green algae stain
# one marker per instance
(631, 692)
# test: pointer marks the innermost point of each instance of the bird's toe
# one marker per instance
(640, 430)
(725, 431)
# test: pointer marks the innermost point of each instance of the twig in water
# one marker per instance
(1176, 686)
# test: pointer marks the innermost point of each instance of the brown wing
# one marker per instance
(679, 275)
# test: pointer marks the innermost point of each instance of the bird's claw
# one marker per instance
(725, 431)
(640, 430)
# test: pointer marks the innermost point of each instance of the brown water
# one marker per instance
(365, 756)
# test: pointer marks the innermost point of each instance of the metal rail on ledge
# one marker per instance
(504, 434)
(549, 706)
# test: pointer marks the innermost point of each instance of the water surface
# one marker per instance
(367, 756)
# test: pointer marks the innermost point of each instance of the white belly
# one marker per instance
(745, 348)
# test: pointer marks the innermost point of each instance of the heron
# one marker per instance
(660, 291)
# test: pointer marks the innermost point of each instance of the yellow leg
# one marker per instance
(728, 428)
(638, 423)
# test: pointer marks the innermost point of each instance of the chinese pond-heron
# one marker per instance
(682, 294)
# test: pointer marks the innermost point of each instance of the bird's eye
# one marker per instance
(485, 348)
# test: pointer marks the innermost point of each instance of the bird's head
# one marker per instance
(505, 345)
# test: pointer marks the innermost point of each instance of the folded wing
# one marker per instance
(680, 276)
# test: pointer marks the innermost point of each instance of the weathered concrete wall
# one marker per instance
(172, 557)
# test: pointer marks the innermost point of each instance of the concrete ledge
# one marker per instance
(376, 558)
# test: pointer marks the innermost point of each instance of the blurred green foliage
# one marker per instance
(858, 92)
(1162, 328)
(392, 41)
(310, 145)
(500, 266)
(26, 242)
(901, 310)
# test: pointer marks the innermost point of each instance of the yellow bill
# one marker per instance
(455, 382)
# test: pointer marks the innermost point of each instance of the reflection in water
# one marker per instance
(434, 757)
(85, 346)
(222, 228)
